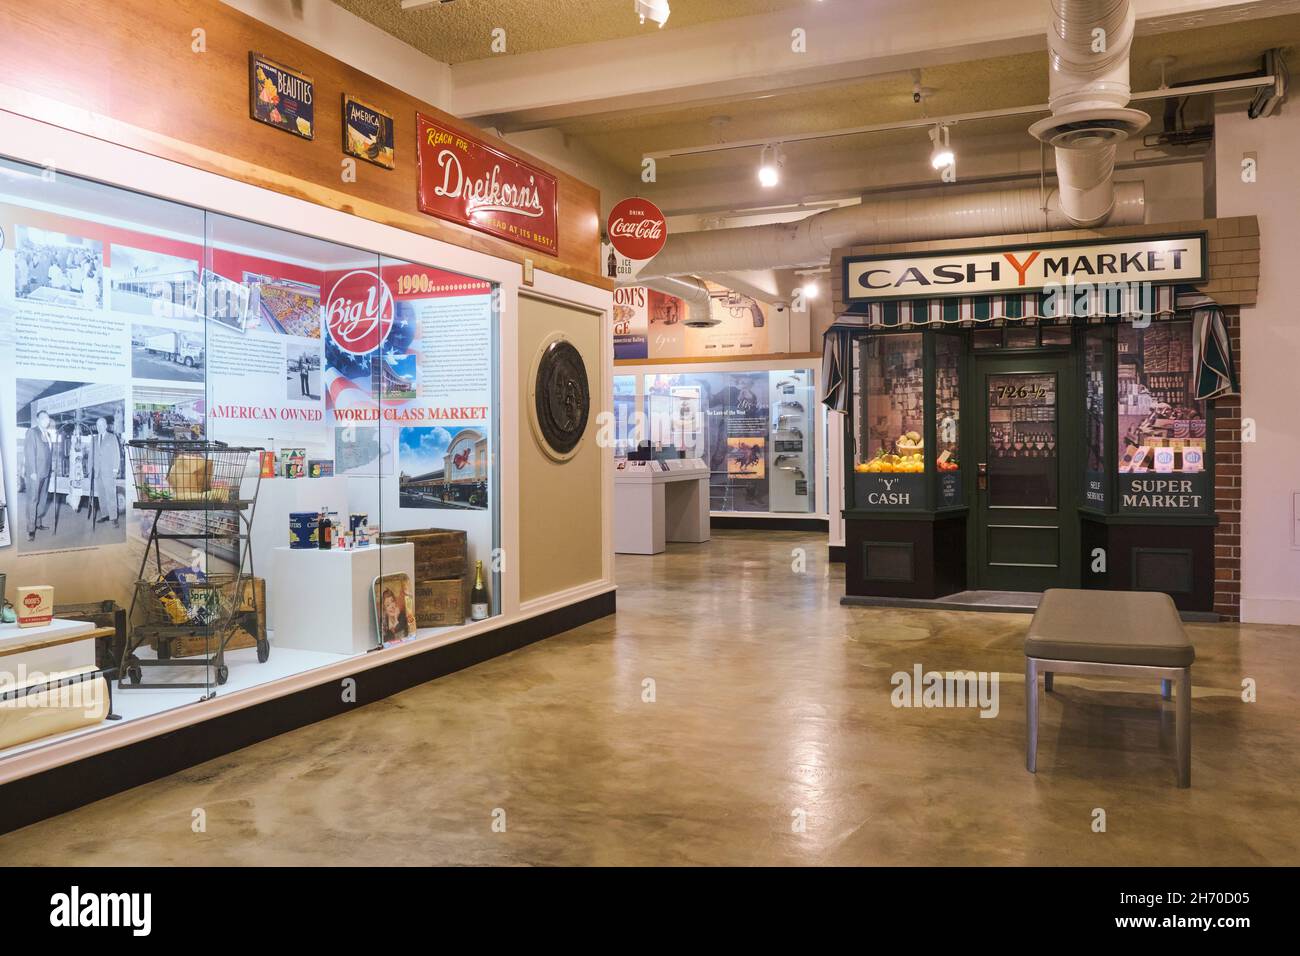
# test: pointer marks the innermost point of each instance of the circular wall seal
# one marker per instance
(560, 397)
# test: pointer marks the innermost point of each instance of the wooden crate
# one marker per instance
(440, 603)
(439, 554)
(244, 635)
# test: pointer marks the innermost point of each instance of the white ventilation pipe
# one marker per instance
(1088, 45)
(809, 242)
(687, 288)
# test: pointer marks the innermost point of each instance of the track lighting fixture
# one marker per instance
(941, 154)
(770, 162)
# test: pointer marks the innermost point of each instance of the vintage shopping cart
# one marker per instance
(195, 491)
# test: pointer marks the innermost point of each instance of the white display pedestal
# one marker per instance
(57, 647)
(658, 502)
(278, 498)
(321, 600)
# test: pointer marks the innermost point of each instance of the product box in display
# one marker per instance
(440, 603)
(35, 605)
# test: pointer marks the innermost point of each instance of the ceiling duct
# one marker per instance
(1088, 45)
(810, 241)
(691, 291)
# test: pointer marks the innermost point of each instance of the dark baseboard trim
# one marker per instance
(741, 522)
(837, 553)
(939, 604)
(65, 788)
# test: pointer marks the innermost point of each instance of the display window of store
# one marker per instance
(204, 399)
(756, 427)
(1010, 456)
(273, 454)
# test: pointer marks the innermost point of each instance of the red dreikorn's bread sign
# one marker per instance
(466, 181)
(637, 229)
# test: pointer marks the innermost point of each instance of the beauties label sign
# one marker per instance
(637, 229)
(466, 181)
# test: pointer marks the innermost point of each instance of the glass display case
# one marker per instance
(276, 452)
(907, 421)
(755, 429)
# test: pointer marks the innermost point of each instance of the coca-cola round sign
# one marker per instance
(637, 229)
(359, 312)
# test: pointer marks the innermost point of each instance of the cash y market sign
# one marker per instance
(1012, 270)
(466, 181)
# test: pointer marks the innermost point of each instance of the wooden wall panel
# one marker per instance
(125, 71)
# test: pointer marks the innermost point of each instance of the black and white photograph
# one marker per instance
(58, 269)
(72, 465)
(227, 301)
(173, 355)
(302, 372)
(6, 514)
(153, 283)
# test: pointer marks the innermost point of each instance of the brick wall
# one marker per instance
(1227, 489)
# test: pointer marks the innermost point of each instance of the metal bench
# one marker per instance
(1113, 634)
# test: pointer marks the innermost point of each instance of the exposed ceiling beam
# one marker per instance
(1178, 92)
(752, 56)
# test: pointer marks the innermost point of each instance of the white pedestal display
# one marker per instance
(658, 502)
(321, 600)
(59, 649)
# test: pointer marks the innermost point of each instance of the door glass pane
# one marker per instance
(1022, 452)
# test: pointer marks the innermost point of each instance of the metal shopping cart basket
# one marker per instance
(199, 485)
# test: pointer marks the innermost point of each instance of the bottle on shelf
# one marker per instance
(478, 597)
(325, 530)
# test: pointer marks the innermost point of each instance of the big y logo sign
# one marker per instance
(359, 312)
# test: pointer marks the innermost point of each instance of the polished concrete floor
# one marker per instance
(771, 739)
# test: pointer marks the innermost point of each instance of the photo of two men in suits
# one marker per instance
(71, 469)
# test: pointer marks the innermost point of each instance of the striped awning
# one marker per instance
(1099, 303)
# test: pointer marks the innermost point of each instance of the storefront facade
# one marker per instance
(1019, 415)
(219, 282)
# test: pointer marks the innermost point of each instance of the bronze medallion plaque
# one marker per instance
(561, 398)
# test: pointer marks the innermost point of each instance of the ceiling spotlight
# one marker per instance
(656, 10)
(770, 162)
(810, 289)
(941, 155)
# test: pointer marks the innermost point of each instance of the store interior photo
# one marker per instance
(747, 433)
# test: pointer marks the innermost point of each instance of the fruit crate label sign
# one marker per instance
(281, 97)
(367, 132)
(464, 180)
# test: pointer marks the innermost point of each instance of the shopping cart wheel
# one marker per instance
(263, 651)
(223, 673)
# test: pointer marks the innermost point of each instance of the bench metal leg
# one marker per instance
(1183, 730)
(1047, 681)
(1031, 714)
(1165, 685)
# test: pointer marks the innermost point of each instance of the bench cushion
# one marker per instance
(1109, 627)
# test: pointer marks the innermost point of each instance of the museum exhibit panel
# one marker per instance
(248, 452)
(755, 426)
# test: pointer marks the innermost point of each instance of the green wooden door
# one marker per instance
(1026, 441)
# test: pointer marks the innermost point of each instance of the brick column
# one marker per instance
(1227, 489)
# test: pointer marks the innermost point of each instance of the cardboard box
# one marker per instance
(34, 604)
